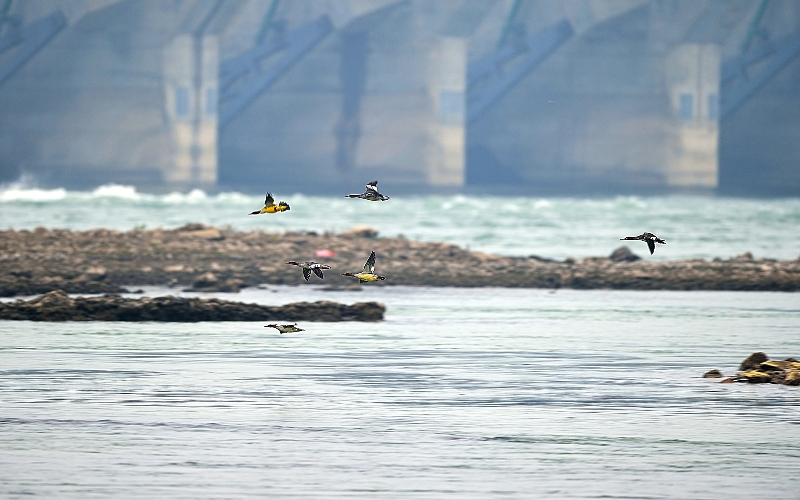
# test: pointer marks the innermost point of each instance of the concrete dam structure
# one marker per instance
(529, 96)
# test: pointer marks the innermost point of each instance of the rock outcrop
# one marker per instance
(759, 369)
(104, 261)
(58, 306)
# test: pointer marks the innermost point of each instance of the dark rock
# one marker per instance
(210, 283)
(58, 306)
(207, 280)
(753, 361)
(623, 254)
(713, 374)
(361, 232)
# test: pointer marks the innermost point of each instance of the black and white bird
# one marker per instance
(649, 238)
(285, 328)
(309, 267)
(371, 193)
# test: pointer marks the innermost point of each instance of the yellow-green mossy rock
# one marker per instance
(773, 365)
(756, 376)
(792, 377)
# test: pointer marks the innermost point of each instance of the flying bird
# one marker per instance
(285, 328)
(308, 267)
(368, 274)
(371, 193)
(270, 207)
(649, 238)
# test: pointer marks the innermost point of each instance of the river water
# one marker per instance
(694, 227)
(459, 393)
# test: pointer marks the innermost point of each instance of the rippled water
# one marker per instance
(694, 227)
(489, 393)
(460, 393)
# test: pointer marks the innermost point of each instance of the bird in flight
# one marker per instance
(371, 193)
(270, 207)
(649, 238)
(368, 274)
(285, 328)
(308, 267)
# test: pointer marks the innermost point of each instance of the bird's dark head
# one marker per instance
(348, 274)
(292, 263)
(271, 326)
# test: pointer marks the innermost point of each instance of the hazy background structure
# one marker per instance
(533, 96)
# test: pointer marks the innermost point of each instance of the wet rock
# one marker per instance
(623, 254)
(759, 369)
(35, 262)
(792, 378)
(753, 361)
(775, 365)
(756, 377)
(713, 374)
(58, 306)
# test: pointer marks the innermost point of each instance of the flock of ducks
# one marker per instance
(365, 276)
(368, 275)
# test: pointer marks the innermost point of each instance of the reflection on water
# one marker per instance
(488, 393)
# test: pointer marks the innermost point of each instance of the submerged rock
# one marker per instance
(713, 374)
(58, 306)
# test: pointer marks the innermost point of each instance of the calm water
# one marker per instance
(482, 393)
(704, 227)
(478, 394)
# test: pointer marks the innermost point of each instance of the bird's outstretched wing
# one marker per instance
(651, 245)
(317, 271)
(369, 266)
(269, 200)
(306, 273)
(372, 186)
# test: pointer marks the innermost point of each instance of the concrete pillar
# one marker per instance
(191, 68)
(692, 77)
(448, 85)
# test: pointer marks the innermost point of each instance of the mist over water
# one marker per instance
(693, 226)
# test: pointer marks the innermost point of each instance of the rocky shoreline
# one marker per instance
(759, 369)
(203, 258)
(58, 306)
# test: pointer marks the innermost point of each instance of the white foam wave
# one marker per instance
(116, 191)
(13, 193)
(193, 196)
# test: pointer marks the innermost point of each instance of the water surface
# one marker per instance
(694, 227)
(460, 393)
